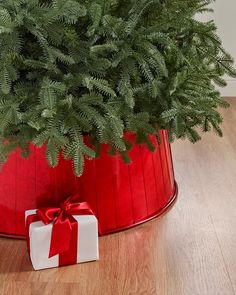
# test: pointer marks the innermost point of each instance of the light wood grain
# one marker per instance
(189, 251)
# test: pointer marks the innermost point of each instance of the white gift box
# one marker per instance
(40, 240)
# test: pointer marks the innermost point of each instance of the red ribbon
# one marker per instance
(65, 227)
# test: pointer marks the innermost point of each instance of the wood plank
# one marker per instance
(214, 162)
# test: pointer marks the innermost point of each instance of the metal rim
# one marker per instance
(157, 214)
(161, 212)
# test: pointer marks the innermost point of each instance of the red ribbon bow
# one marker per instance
(63, 222)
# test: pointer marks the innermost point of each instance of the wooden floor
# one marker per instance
(189, 251)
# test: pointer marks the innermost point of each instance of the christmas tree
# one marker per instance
(103, 67)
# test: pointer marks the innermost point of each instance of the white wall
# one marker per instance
(225, 18)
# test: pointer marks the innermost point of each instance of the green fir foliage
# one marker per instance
(70, 68)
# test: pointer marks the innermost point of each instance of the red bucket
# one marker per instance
(126, 195)
(120, 195)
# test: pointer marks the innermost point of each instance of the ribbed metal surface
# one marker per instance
(30, 183)
(121, 195)
(125, 195)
